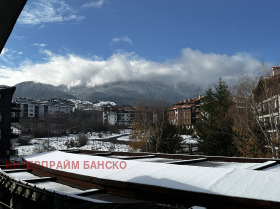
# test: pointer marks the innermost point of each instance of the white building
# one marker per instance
(118, 115)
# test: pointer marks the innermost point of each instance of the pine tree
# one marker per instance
(215, 125)
(166, 138)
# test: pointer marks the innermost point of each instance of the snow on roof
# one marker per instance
(235, 182)
(102, 103)
(80, 101)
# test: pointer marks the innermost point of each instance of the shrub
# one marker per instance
(82, 140)
(70, 143)
(24, 140)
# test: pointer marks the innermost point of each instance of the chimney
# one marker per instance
(276, 71)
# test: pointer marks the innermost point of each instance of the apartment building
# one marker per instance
(185, 113)
(31, 108)
(118, 115)
(8, 116)
(267, 97)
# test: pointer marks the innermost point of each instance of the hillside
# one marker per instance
(128, 92)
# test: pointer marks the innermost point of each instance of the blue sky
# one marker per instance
(93, 42)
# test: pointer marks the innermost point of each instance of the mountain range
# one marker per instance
(121, 92)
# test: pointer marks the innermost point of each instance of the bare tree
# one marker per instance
(141, 127)
(158, 111)
(257, 114)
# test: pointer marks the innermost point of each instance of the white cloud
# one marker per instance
(39, 45)
(94, 4)
(42, 11)
(9, 55)
(125, 39)
(192, 66)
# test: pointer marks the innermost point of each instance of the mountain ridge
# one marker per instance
(120, 92)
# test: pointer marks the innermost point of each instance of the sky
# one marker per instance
(93, 42)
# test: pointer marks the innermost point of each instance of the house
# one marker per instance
(8, 116)
(185, 113)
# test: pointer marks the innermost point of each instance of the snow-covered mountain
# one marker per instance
(122, 92)
(34, 90)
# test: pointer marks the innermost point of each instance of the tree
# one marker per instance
(141, 128)
(166, 139)
(82, 140)
(215, 125)
(257, 126)
(153, 131)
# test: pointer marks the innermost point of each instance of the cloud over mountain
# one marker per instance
(192, 66)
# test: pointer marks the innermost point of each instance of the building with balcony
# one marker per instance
(118, 115)
(185, 113)
(267, 96)
(8, 115)
(31, 108)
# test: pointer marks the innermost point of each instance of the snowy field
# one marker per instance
(95, 142)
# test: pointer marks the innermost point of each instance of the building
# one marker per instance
(9, 13)
(267, 96)
(81, 105)
(185, 113)
(118, 115)
(8, 116)
(31, 108)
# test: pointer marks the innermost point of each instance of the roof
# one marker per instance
(9, 13)
(243, 180)
(179, 107)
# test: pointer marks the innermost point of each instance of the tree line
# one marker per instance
(63, 124)
(237, 120)
(242, 120)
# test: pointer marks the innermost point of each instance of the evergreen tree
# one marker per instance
(167, 138)
(215, 125)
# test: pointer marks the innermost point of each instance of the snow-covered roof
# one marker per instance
(102, 103)
(80, 102)
(235, 182)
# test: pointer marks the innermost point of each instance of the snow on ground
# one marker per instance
(104, 135)
(123, 138)
(188, 139)
(95, 142)
(39, 145)
(15, 130)
(234, 182)
(30, 149)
